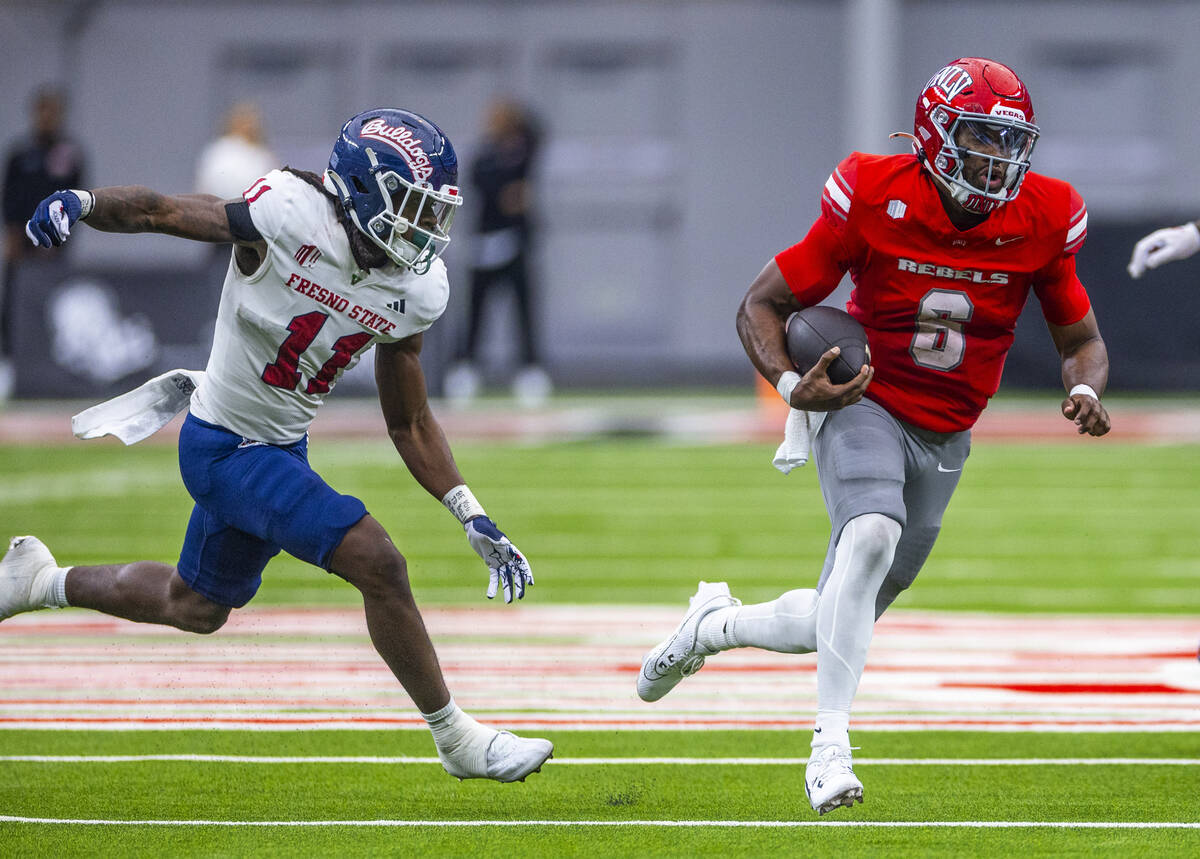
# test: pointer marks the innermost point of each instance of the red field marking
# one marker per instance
(1078, 688)
(699, 420)
(574, 666)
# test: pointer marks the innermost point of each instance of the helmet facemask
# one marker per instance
(412, 220)
(983, 158)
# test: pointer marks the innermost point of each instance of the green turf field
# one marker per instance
(1088, 527)
(1093, 527)
(330, 794)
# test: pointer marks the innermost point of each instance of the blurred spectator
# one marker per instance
(500, 177)
(230, 164)
(44, 161)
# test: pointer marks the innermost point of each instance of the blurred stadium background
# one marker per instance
(686, 143)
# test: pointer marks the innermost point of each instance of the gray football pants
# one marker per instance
(870, 462)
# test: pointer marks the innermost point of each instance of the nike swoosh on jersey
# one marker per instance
(1002, 241)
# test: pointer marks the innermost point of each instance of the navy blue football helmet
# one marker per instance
(396, 175)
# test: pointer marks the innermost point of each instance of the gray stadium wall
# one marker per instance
(688, 139)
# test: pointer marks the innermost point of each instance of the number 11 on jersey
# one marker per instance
(284, 372)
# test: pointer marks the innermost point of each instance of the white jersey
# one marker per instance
(287, 332)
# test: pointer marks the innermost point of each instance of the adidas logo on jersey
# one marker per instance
(397, 306)
(971, 274)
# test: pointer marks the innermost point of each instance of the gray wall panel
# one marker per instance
(671, 174)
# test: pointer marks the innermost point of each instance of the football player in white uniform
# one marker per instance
(323, 268)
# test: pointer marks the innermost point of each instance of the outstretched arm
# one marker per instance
(422, 445)
(135, 209)
(1084, 373)
(760, 325)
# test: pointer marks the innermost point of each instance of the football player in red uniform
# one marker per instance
(943, 246)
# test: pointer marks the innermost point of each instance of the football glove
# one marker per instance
(1162, 246)
(53, 218)
(507, 567)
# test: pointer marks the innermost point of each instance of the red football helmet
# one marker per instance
(974, 131)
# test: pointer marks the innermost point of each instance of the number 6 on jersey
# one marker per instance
(939, 343)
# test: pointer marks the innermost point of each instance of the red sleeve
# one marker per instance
(1076, 223)
(1064, 300)
(814, 267)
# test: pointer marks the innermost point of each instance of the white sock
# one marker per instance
(832, 729)
(846, 614)
(459, 737)
(784, 625)
(50, 588)
(716, 630)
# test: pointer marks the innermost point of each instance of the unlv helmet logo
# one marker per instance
(951, 80)
(404, 142)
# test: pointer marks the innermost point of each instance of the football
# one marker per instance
(813, 331)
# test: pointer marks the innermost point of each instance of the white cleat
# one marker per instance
(508, 758)
(26, 576)
(829, 779)
(681, 655)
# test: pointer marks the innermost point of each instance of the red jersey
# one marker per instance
(939, 304)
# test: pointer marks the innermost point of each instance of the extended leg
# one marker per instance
(146, 592)
(845, 621)
(784, 625)
(846, 618)
(368, 560)
(143, 591)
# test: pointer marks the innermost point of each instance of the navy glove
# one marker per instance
(507, 567)
(53, 218)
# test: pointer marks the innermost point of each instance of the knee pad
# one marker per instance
(873, 537)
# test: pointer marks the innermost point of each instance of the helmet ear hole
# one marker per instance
(358, 185)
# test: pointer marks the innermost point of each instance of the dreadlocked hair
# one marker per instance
(367, 255)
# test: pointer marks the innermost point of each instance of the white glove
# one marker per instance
(1166, 245)
(508, 567)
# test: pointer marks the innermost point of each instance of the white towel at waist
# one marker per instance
(798, 434)
(141, 412)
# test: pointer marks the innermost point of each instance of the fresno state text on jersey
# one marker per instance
(288, 331)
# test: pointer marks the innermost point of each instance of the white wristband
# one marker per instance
(786, 384)
(1084, 389)
(87, 201)
(461, 502)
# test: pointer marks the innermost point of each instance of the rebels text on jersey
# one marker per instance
(286, 332)
(939, 304)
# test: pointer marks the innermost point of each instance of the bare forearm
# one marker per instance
(136, 209)
(760, 327)
(423, 447)
(1086, 364)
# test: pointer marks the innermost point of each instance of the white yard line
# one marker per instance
(675, 824)
(364, 759)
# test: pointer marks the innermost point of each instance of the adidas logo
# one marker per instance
(397, 306)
